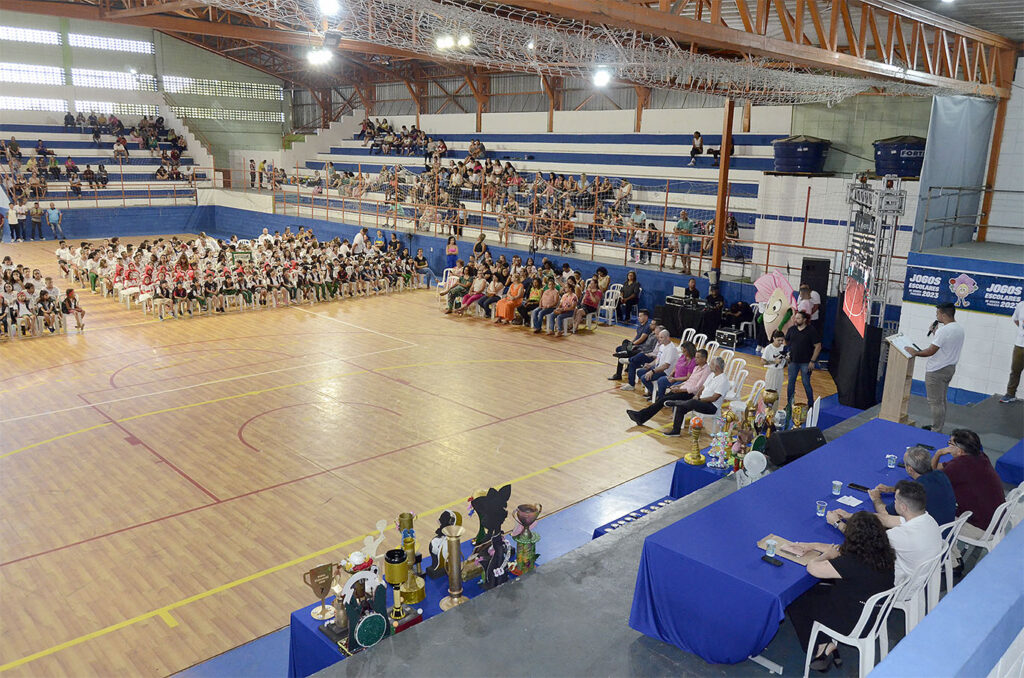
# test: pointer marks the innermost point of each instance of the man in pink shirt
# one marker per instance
(679, 391)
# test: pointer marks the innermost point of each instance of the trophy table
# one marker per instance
(526, 541)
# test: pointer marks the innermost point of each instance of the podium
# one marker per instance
(899, 372)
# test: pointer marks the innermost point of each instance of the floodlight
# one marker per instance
(602, 77)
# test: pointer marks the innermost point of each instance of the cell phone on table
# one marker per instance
(772, 561)
(857, 486)
(927, 447)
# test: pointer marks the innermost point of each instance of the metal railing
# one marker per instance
(962, 207)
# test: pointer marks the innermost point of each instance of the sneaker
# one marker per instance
(626, 387)
(692, 162)
(634, 415)
(624, 361)
(1008, 399)
(615, 377)
(671, 434)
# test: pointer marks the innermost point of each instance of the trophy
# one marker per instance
(526, 541)
(320, 579)
(799, 414)
(694, 457)
(454, 597)
(396, 570)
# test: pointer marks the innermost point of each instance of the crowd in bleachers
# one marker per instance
(555, 210)
(28, 177)
(32, 305)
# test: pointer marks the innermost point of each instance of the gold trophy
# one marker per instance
(413, 589)
(396, 571)
(454, 597)
(526, 541)
(320, 579)
(799, 414)
(695, 458)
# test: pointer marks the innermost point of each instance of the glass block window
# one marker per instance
(114, 44)
(118, 109)
(28, 73)
(29, 35)
(222, 88)
(32, 104)
(227, 114)
(84, 77)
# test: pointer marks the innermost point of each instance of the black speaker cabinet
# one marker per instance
(785, 446)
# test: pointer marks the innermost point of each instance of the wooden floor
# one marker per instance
(165, 484)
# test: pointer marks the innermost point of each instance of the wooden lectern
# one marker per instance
(899, 372)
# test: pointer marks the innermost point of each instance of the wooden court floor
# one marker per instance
(165, 484)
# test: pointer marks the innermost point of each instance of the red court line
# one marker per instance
(156, 454)
(289, 482)
(248, 421)
(423, 390)
(115, 373)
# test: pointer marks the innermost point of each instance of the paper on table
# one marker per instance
(781, 550)
(901, 342)
(850, 501)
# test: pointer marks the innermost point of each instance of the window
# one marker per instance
(116, 108)
(29, 35)
(83, 77)
(30, 104)
(115, 44)
(217, 88)
(36, 75)
(227, 114)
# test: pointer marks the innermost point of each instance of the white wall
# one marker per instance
(1008, 209)
(984, 365)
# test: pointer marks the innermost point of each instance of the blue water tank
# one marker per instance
(902, 156)
(801, 153)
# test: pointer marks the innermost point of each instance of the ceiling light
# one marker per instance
(530, 45)
(464, 40)
(602, 77)
(329, 7)
(319, 57)
(445, 42)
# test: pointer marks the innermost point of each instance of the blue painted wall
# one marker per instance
(105, 222)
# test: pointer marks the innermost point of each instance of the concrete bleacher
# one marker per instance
(130, 182)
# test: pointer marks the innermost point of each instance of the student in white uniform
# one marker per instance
(774, 361)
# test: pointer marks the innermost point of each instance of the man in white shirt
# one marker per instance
(913, 533)
(359, 242)
(943, 354)
(709, 401)
(1017, 362)
(665, 357)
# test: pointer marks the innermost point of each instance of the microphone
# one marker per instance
(935, 326)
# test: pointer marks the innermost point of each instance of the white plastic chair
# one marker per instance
(727, 355)
(712, 348)
(699, 339)
(755, 391)
(863, 637)
(737, 381)
(950, 532)
(999, 525)
(913, 601)
(606, 311)
(733, 366)
(812, 415)
(688, 335)
(747, 327)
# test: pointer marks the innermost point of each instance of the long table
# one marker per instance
(702, 585)
(1010, 466)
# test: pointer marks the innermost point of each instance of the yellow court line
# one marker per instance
(168, 619)
(278, 388)
(163, 612)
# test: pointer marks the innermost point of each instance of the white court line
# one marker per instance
(206, 383)
(365, 329)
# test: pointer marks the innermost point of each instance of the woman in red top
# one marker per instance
(976, 485)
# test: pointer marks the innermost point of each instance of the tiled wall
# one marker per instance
(1008, 209)
(984, 365)
(783, 202)
(855, 123)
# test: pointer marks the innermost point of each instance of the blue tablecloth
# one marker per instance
(1010, 466)
(310, 650)
(640, 512)
(702, 585)
(687, 478)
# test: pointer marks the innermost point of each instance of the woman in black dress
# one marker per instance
(630, 297)
(852, 572)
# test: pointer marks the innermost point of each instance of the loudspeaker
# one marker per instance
(785, 446)
(815, 272)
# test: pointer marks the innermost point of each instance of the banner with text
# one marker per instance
(970, 291)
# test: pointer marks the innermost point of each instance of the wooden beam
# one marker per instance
(154, 8)
(643, 96)
(993, 164)
(722, 201)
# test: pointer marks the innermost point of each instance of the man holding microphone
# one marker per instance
(943, 354)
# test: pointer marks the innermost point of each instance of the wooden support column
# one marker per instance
(643, 97)
(721, 204)
(481, 86)
(416, 92)
(745, 127)
(326, 101)
(552, 88)
(993, 167)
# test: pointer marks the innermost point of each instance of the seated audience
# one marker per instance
(710, 400)
(976, 485)
(941, 503)
(686, 389)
